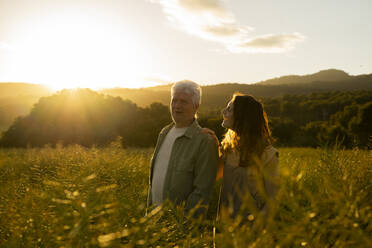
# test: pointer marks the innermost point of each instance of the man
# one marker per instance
(184, 164)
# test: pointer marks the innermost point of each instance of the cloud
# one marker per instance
(158, 79)
(207, 6)
(212, 20)
(223, 30)
(269, 43)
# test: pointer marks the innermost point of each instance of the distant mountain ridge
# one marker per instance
(330, 75)
(25, 89)
(322, 81)
(323, 76)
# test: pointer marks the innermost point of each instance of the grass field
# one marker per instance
(79, 197)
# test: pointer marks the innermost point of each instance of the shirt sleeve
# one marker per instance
(204, 176)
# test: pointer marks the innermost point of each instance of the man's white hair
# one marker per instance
(188, 87)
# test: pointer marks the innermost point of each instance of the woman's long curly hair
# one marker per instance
(250, 133)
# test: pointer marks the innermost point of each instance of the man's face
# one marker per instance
(182, 109)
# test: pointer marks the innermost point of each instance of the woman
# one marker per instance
(249, 162)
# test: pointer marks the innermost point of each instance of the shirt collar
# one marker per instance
(190, 131)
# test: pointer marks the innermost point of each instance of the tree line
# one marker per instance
(90, 118)
(18, 98)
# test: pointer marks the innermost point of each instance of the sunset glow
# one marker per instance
(140, 43)
(68, 51)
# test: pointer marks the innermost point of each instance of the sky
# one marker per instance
(140, 43)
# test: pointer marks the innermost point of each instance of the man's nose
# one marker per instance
(176, 105)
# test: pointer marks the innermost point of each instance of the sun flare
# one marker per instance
(69, 51)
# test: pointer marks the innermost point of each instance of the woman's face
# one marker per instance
(228, 116)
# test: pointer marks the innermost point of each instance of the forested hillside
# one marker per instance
(88, 118)
(17, 99)
(308, 110)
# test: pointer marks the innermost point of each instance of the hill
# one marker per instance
(17, 98)
(22, 89)
(330, 75)
(215, 95)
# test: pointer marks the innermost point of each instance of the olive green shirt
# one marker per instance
(192, 168)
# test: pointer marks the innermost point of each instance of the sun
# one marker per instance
(72, 50)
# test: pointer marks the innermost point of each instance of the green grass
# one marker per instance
(79, 197)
